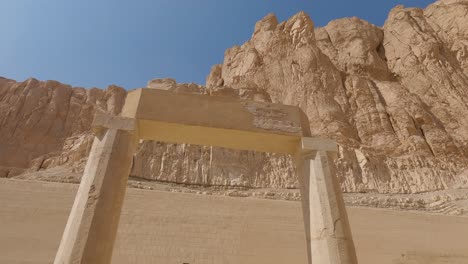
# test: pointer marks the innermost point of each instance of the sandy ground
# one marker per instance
(164, 227)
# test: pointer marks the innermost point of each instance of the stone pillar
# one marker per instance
(328, 234)
(92, 224)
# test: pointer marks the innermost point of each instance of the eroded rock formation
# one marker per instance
(39, 120)
(395, 98)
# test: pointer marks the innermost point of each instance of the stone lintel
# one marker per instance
(317, 144)
(104, 121)
(216, 112)
(216, 121)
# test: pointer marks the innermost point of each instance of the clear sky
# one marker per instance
(94, 43)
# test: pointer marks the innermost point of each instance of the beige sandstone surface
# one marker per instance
(395, 98)
(160, 227)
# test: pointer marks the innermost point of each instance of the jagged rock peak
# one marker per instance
(301, 28)
(268, 23)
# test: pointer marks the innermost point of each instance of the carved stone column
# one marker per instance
(92, 225)
(328, 234)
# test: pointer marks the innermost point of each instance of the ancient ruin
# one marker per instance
(203, 120)
(392, 96)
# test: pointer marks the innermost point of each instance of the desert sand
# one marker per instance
(165, 227)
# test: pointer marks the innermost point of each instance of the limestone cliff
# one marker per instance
(395, 98)
(39, 120)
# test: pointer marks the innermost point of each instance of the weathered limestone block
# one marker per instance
(92, 225)
(328, 234)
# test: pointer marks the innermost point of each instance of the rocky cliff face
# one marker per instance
(39, 120)
(395, 98)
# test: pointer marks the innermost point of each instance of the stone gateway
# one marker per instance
(203, 120)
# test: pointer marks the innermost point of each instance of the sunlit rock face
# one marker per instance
(43, 124)
(395, 98)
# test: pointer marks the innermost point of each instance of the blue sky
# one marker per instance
(94, 43)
